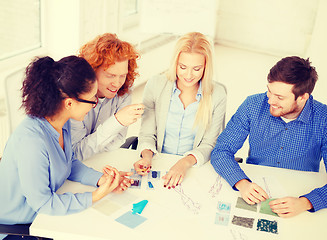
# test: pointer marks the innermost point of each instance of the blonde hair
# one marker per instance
(196, 42)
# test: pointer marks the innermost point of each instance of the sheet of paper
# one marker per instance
(137, 180)
(271, 185)
(243, 221)
(153, 179)
(244, 205)
(267, 226)
(265, 208)
(107, 207)
(222, 219)
(114, 202)
(131, 220)
(185, 198)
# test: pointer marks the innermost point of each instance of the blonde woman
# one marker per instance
(184, 110)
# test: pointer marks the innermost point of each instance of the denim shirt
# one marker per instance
(299, 144)
(34, 167)
(179, 132)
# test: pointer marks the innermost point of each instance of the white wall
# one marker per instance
(69, 24)
(279, 27)
(62, 27)
(318, 52)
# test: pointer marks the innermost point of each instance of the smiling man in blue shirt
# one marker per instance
(287, 128)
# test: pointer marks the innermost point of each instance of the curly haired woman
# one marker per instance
(38, 157)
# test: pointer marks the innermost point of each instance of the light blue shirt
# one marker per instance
(179, 132)
(299, 144)
(34, 167)
(100, 131)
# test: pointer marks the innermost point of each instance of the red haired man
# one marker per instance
(104, 128)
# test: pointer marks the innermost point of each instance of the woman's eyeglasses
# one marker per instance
(94, 103)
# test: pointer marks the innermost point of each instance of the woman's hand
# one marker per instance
(107, 183)
(177, 172)
(124, 182)
(106, 170)
(143, 166)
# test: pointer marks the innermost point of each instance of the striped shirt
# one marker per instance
(299, 144)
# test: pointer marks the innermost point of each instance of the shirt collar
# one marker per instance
(175, 89)
(101, 100)
(306, 111)
(51, 129)
(198, 94)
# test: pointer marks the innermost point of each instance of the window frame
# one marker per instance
(11, 62)
(131, 21)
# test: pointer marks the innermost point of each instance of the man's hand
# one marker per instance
(251, 192)
(129, 114)
(290, 206)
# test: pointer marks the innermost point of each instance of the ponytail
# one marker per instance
(48, 82)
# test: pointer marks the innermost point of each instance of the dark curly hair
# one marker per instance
(47, 83)
(297, 71)
(106, 49)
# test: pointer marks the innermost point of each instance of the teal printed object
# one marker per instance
(224, 207)
(221, 219)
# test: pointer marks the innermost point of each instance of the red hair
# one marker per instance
(106, 50)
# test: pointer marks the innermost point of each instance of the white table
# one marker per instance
(167, 222)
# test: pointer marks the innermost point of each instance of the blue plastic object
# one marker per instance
(138, 207)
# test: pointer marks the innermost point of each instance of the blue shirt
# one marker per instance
(34, 167)
(299, 144)
(179, 132)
